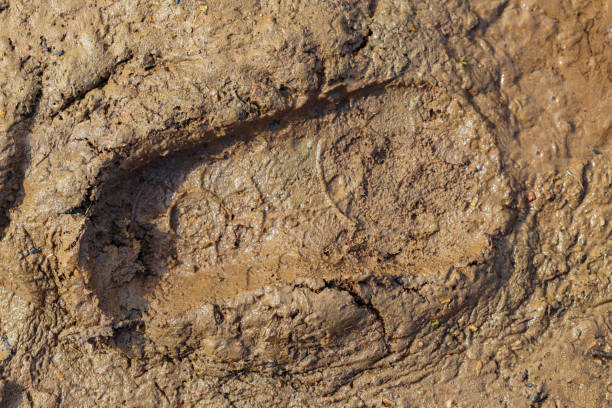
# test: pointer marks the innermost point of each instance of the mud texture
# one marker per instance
(376, 203)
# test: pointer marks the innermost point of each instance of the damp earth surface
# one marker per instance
(374, 203)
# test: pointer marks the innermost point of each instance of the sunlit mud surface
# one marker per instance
(278, 203)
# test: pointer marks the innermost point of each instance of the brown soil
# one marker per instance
(275, 203)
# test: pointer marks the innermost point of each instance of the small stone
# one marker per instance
(479, 367)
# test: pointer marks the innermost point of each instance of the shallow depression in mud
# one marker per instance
(380, 183)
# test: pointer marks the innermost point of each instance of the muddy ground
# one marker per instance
(382, 203)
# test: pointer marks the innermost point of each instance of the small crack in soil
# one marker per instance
(359, 300)
(100, 83)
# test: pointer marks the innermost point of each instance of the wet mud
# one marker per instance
(275, 203)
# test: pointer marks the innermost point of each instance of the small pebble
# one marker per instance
(59, 53)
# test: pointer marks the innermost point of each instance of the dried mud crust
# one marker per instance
(290, 203)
